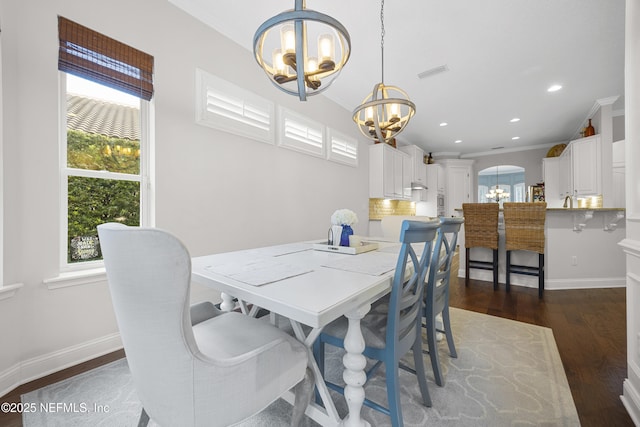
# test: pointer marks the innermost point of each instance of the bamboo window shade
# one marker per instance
(96, 57)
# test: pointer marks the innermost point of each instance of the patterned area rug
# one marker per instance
(507, 374)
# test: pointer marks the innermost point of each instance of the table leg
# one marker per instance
(354, 363)
(227, 302)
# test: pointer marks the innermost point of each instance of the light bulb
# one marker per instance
(326, 52)
(278, 63)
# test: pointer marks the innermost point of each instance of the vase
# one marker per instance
(589, 130)
(335, 235)
(346, 232)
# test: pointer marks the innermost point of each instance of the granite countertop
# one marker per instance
(585, 209)
(571, 209)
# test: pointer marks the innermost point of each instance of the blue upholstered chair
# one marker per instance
(389, 337)
(193, 366)
(437, 292)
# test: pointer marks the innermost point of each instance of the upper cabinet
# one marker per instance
(580, 168)
(457, 184)
(418, 173)
(435, 178)
(389, 173)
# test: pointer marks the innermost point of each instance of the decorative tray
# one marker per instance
(351, 250)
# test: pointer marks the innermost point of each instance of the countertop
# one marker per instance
(585, 209)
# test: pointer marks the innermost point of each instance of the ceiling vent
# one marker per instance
(433, 71)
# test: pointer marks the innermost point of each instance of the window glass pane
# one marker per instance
(93, 201)
(103, 128)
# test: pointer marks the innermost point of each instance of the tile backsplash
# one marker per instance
(379, 208)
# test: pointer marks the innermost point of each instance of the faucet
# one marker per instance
(570, 202)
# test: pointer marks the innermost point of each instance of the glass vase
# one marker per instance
(344, 237)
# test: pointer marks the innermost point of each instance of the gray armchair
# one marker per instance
(219, 371)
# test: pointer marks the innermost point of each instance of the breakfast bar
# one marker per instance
(581, 251)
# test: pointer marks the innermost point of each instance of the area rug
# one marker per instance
(507, 373)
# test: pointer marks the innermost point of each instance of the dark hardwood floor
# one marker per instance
(589, 327)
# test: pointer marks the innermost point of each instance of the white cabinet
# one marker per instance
(417, 167)
(551, 178)
(458, 184)
(580, 168)
(389, 173)
(587, 166)
(435, 178)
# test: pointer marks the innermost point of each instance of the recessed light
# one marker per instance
(444, 124)
(457, 141)
(515, 119)
(554, 88)
(515, 137)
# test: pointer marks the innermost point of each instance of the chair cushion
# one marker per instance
(233, 334)
(373, 325)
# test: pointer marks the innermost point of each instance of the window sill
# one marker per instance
(76, 278)
(9, 291)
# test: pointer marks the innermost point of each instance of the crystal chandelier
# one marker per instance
(497, 194)
(289, 62)
(385, 112)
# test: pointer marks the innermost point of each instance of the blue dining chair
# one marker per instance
(437, 293)
(389, 337)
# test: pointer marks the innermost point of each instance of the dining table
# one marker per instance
(311, 284)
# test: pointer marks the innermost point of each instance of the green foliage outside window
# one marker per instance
(93, 201)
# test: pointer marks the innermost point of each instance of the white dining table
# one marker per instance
(308, 287)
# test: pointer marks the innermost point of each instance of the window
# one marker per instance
(300, 133)
(227, 107)
(343, 149)
(104, 156)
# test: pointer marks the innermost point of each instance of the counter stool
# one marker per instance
(524, 231)
(481, 231)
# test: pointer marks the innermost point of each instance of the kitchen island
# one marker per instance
(581, 251)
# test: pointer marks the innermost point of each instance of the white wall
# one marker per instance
(216, 191)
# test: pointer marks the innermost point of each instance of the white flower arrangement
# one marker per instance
(344, 217)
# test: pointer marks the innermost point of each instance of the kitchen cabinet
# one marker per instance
(551, 177)
(435, 178)
(389, 173)
(417, 166)
(457, 184)
(580, 168)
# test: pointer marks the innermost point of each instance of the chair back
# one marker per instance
(404, 319)
(480, 225)
(437, 285)
(149, 274)
(524, 226)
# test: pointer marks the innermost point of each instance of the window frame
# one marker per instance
(334, 135)
(147, 217)
(284, 141)
(206, 81)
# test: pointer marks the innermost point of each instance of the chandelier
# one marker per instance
(289, 62)
(385, 112)
(497, 194)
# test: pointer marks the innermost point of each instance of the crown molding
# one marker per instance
(509, 150)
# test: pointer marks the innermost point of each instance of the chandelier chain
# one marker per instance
(382, 38)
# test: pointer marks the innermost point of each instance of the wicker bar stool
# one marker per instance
(524, 231)
(481, 231)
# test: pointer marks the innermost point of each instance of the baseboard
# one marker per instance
(550, 284)
(586, 283)
(631, 401)
(40, 366)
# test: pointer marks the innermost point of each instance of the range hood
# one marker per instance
(418, 186)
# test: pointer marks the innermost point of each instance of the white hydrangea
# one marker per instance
(344, 217)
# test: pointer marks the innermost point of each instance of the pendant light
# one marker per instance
(385, 112)
(281, 48)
